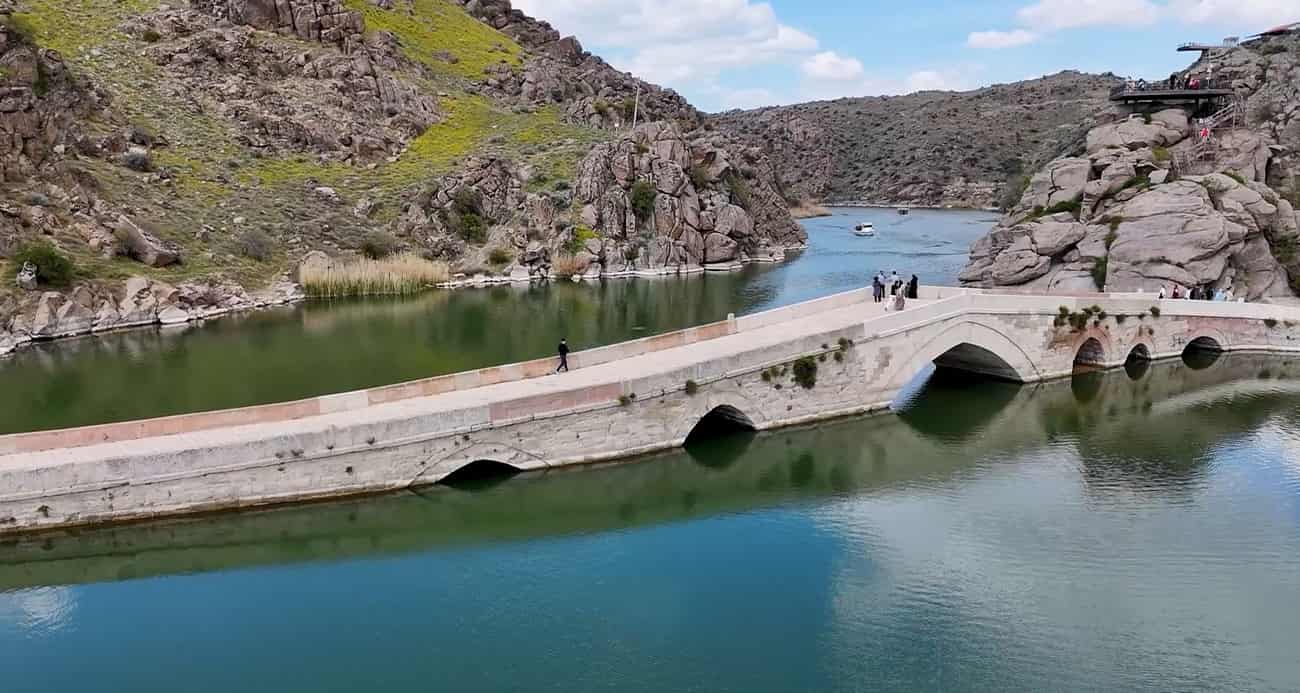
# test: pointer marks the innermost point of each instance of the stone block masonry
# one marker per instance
(621, 400)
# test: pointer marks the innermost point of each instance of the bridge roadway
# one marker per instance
(619, 401)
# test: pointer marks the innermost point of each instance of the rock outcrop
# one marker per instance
(929, 148)
(654, 200)
(1146, 204)
(138, 302)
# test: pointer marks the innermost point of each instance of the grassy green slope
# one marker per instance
(217, 180)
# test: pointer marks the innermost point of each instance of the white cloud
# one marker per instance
(1046, 16)
(1262, 14)
(1000, 39)
(1051, 15)
(832, 67)
(677, 41)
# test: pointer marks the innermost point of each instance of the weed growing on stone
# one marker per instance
(692, 387)
(805, 372)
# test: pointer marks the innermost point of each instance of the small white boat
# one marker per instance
(864, 229)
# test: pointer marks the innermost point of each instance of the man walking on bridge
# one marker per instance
(564, 356)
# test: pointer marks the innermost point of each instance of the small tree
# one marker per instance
(379, 244)
(255, 244)
(643, 199)
(52, 266)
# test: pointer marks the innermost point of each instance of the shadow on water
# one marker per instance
(1151, 434)
(955, 405)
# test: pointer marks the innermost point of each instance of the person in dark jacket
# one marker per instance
(564, 356)
(913, 287)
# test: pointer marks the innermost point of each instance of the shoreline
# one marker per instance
(939, 208)
(11, 345)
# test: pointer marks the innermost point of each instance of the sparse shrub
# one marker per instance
(37, 199)
(805, 372)
(699, 177)
(1161, 154)
(1272, 49)
(1284, 249)
(601, 106)
(1155, 311)
(500, 256)
(839, 356)
(629, 108)
(53, 268)
(624, 400)
(1270, 323)
(1119, 319)
(378, 245)
(643, 199)
(642, 148)
(1146, 118)
(562, 185)
(150, 36)
(1099, 269)
(1111, 235)
(692, 387)
(1235, 176)
(767, 375)
(741, 195)
(255, 244)
(845, 343)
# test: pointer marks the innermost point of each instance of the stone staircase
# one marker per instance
(1203, 158)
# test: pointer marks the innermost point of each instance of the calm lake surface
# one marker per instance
(1128, 531)
(1101, 534)
(325, 347)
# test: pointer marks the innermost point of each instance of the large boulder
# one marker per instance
(144, 246)
(719, 248)
(1062, 180)
(1135, 133)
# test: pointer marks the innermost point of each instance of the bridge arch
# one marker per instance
(479, 473)
(970, 346)
(1090, 353)
(720, 421)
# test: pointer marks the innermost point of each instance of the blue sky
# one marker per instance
(725, 54)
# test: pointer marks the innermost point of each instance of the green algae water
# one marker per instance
(1118, 532)
(325, 347)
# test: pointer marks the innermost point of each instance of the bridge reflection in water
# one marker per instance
(1155, 422)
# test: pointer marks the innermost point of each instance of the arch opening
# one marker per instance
(1091, 355)
(480, 474)
(721, 422)
(978, 360)
(1202, 352)
(1138, 362)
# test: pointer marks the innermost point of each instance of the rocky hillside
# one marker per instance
(205, 147)
(930, 148)
(1143, 204)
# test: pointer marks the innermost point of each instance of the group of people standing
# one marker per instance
(898, 290)
(1198, 293)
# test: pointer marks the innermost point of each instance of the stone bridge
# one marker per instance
(836, 356)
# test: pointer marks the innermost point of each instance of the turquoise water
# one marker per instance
(324, 347)
(1098, 535)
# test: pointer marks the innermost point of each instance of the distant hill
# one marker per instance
(930, 148)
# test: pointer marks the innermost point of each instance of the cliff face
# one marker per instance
(215, 143)
(929, 148)
(1144, 203)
